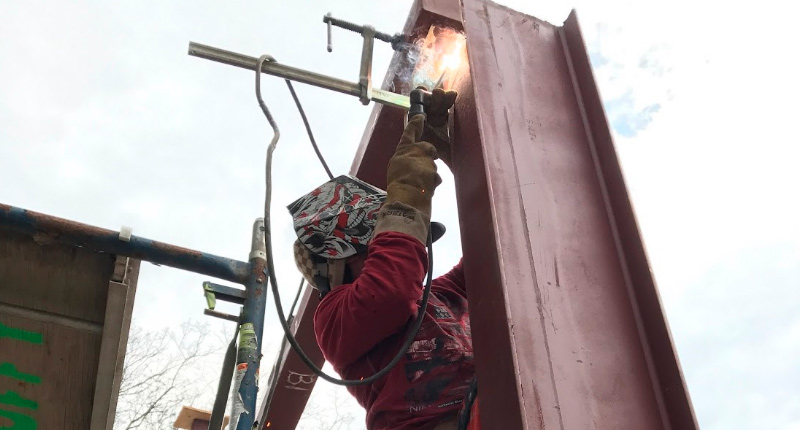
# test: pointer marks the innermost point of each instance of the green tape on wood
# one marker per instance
(14, 399)
(24, 336)
(18, 421)
(8, 369)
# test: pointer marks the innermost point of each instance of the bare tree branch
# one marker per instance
(168, 368)
(165, 370)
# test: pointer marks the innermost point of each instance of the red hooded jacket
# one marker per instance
(361, 326)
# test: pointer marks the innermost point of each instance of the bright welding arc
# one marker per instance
(274, 282)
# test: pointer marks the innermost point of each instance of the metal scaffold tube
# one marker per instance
(46, 228)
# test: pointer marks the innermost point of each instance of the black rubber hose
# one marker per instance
(271, 267)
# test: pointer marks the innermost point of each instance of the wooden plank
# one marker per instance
(56, 375)
(191, 418)
(119, 309)
(59, 279)
(54, 300)
(47, 317)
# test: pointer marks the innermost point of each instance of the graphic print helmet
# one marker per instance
(336, 220)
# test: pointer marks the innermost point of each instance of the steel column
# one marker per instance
(245, 391)
(652, 323)
(567, 325)
(291, 382)
(553, 259)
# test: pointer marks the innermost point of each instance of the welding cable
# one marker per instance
(274, 282)
(308, 129)
(296, 298)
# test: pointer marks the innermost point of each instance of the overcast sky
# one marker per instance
(104, 119)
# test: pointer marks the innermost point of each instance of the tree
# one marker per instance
(327, 409)
(165, 370)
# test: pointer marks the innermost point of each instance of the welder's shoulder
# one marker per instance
(453, 280)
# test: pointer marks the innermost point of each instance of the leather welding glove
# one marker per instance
(411, 180)
(436, 128)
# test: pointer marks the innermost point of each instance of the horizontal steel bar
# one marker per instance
(49, 228)
(221, 315)
(225, 293)
(295, 74)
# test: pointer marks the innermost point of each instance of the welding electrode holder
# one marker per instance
(420, 98)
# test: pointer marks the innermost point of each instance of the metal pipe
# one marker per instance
(295, 74)
(273, 68)
(45, 228)
(365, 74)
(250, 334)
(224, 386)
(221, 315)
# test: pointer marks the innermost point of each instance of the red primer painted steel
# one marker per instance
(291, 381)
(385, 124)
(643, 290)
(564, 310)
(566, 318)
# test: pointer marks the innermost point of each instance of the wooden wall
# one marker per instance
(61, 309)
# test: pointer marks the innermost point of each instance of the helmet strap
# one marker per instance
(321, 275)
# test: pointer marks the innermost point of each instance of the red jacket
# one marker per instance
(361, 326)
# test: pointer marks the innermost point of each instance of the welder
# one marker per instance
(365, 251)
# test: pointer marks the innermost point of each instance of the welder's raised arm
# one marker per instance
(354, 318)
(411, 180)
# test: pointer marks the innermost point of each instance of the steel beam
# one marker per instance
(564, 310)
(291, 382)
(567, 324)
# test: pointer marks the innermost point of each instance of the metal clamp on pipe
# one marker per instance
(395, 40)
(369, 34)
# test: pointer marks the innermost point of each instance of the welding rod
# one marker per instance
(295, 74)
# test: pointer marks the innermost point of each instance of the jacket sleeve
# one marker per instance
(353, 318)
(454, 279)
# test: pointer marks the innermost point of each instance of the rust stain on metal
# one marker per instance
(176, 250)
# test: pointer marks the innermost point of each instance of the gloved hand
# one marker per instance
(436, 127)
(411, 180)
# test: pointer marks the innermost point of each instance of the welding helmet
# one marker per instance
(333, 222)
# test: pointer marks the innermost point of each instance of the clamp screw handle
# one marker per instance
(327, 20)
